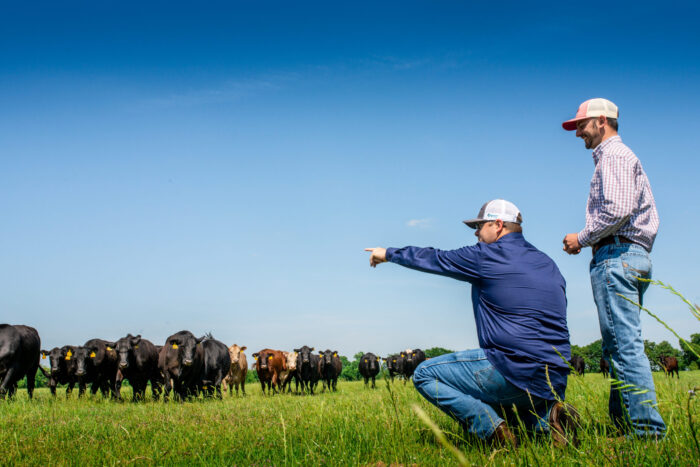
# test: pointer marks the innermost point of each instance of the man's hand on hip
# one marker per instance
(378, 256)
(571, 244)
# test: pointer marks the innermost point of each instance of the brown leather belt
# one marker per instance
(610, 240)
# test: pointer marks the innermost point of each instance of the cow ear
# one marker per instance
(110, 345)
(297, 350)
(255, 355)
(243, 348)
(312, 349)
(135, 340)
(200, 339)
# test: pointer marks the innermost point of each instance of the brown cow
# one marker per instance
(269, 364)
(239, 370)
(669, 364)
(287, 375)
(605, 367)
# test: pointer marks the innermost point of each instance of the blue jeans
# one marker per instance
(469, 389)
(614, 270)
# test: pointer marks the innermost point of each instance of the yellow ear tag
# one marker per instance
(69, 355)
(92, 355)
(256, 358)
(205, 388)
(335, 354)
(365, 360)
(109, 348)
(136, 346)
(43, 356)
(270, 357)
(174, 346)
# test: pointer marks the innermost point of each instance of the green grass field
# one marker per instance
(355, 426)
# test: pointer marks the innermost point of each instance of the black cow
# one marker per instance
(307, 368)
(19, 357)
(330, 368)
(578, 364)
(412, 358)
(394, 363)
(181, 362)
(138, 362)
(369, 367)
(605, 367)
(217, 363)
(97, 363)
(669, 365)
(62, 368)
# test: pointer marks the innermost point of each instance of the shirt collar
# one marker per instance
(597, 152)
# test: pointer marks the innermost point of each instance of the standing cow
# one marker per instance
(239, 369)
(369, 367)
(330, 369)
(605, 367)
(307, 368)
(97, 363)
(412, 358)
(62, 368)
(181, 361)
(394, 364)
(291, 371)
(269, 364)
(217, 364)
(578, 364)
(138, 362)
(669, 365)
(20, 347)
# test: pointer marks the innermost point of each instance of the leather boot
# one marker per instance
(502, 436)
(563, 424)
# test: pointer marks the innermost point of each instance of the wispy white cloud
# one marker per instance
(226, 92)
(420, 223)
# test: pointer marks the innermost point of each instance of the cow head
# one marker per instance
(186, 345)
(291, 360)
(81, 359)
(263, 359)
(303, 356)
(370, 360)
(235, 353)
(125, 349)
(57, 359)
(327, 356)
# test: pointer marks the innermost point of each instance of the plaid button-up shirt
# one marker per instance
(620, 201)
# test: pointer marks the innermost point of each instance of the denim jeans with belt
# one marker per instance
(468, 388)
(614, 270)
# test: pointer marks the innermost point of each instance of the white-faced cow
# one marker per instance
(239, 369)
(369, 367)
(181, 361)
(330, 369)
(19, 357)
(138, 363)
(290, 372)
(308, 372)
(62, 368)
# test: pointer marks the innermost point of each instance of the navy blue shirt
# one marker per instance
(519, 300)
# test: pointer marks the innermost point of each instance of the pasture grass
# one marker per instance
(354, 426)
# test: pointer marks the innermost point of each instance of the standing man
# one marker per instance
(621, 225)
(519, 302)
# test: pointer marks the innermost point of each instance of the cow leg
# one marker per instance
(69, 389)
(118, 385)
(373, 385)
(7, 382)
(31, 377)
(366, 380)
(52, 387)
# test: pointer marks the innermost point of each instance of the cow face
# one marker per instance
(327, 357)
(125, 349)
(291, 359)
(371, 361)
(57, 358)
(304, 356)
(82, 358)
(235, 353)
(263, 359)
(186, 346)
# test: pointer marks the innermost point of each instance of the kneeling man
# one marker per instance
(519, 301)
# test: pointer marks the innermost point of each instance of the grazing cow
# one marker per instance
(217, 364)
(669, 364)
(412, 358)
(138, 362)
(307, 368)
(62, 368)
(369, 367)
(605, 367)
(394, 363)
(291, 371)
(239, 369)
(269, 364)
(97, 363)
(578, 364)
(181, 361)
(330, 368)
(20, 347)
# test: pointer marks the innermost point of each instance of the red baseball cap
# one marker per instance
(592, 108)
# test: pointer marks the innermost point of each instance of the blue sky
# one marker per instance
(221, 167)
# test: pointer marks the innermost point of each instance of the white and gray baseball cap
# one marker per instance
(494, 210)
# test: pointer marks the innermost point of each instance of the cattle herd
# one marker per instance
(184, 365)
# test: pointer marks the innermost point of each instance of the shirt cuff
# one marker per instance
(583, 238)
(390, 253)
